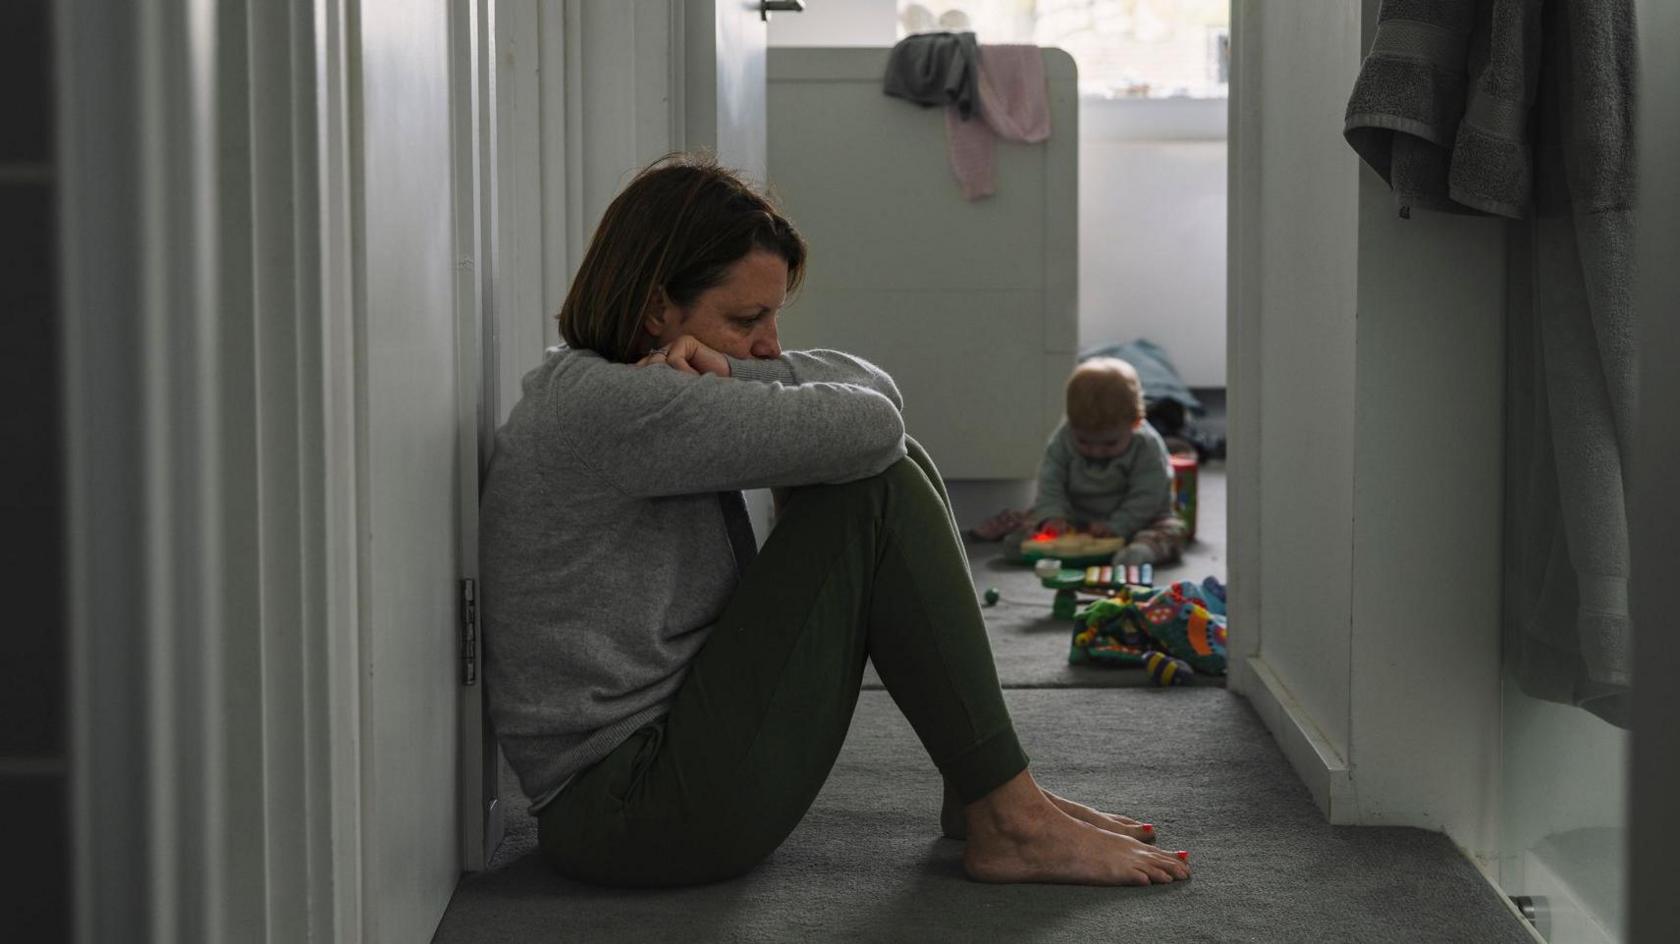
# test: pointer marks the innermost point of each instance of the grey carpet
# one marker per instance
(867, 863)
(1030, 647)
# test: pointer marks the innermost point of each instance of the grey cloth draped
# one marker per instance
(1524, 109)
(935, 69)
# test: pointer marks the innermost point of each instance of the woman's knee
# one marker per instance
(904, 475)
(900, 492)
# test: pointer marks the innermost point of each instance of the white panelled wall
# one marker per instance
(262, 426)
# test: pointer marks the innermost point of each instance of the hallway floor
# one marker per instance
(868, 864)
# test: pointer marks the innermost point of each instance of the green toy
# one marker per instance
(1070, 582)
(991, 596)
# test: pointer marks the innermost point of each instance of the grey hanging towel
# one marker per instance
(935, 69)
(1524, 109)
(1570, 370)
(1441, 106)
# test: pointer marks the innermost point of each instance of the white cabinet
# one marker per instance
(971, 306)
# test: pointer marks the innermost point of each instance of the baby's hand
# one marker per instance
(1100, 530)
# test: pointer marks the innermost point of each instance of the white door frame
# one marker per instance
(508, 92)
(472, 131)
(1242, 346)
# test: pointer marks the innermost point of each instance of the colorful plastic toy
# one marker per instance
(1184, 472)
(1164, 670)
(1185, 621)
(1074, 548)
(1096, 580)
(1101, 635)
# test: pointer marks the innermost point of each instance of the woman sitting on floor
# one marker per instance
(671, 700)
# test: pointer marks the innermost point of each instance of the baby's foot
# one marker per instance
(1138, 552)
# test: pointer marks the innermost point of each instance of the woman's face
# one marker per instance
(735, 317)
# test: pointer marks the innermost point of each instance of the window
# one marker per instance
(1124, 48)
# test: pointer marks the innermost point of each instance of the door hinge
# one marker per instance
(469, 631)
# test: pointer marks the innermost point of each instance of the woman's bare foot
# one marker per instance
(1108, 822)
(953, 822)
(1017, 834)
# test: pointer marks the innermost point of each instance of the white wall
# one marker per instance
(837, 23)
(1152, 229)
(1428, 490)
(1369, 520)
(1304, 218)
(408, 569)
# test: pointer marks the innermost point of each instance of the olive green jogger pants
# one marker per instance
(872, 569)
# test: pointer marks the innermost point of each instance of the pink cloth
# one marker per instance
(1014, 103)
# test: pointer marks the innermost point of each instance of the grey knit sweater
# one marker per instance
(606, 524)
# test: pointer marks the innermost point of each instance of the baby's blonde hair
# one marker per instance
(1102, 393)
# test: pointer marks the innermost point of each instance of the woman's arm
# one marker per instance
(653, 431)
(818, 366)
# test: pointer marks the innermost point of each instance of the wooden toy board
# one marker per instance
(1073, 549)
(1089, 560)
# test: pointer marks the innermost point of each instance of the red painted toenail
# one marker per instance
(1183, 855)
(1149, 827)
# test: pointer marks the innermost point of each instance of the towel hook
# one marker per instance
(767, 7)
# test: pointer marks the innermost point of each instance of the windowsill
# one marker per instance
(1153, 119)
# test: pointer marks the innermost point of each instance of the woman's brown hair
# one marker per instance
(670, 235)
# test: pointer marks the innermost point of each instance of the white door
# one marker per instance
(723, 81)
(410, 549)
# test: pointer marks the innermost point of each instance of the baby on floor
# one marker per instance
(1106, 471)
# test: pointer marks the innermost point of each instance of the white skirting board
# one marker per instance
(1320, 766)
